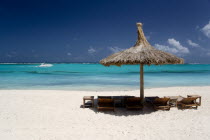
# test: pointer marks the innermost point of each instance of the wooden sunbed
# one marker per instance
(105, 104)
(105, 97)
(134, 103)
(188, 103)
(161, 104)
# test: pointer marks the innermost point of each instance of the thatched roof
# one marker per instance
(141, 53)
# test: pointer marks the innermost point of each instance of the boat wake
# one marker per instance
(45, 65)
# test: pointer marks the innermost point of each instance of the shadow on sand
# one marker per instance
(121, 111)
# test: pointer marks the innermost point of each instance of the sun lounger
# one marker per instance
(161, 104)
(188, 103)
(105, 97)
(134, 103)
(105, 104)
(150, 99)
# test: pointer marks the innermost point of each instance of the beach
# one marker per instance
(150, 60)
(57, 115)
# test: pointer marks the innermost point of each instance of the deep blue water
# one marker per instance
(99, 77)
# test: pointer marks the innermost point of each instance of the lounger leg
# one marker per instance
(83, 103)
(92, 103)
(183, 106)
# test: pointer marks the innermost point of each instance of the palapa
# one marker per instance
(141, 53)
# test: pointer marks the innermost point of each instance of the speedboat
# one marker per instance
(45, 65)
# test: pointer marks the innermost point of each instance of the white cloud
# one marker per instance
(75, 38)
(148, 37)
(69, 54)
(91, 50)
(197, 27)
(207, 52)
(206, 30)
(166, 48)
(11, 54)
(174, 47)
(178, 46)
(192, 43)
(115, 49)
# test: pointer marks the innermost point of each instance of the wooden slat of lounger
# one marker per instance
(134, 107)
(192, 105)
(162, 107)
(105, 108)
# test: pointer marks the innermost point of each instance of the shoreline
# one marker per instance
(100, 90)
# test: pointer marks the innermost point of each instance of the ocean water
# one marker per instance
(98, 77)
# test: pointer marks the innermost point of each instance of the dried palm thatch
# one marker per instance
(141, 53)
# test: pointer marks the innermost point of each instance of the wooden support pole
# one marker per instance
(142, 81)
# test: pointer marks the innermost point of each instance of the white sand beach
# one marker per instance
(56, 115)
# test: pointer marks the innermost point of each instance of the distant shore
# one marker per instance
(57, 114)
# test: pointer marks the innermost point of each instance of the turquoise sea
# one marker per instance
(79, 76)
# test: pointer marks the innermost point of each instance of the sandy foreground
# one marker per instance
(56, 115)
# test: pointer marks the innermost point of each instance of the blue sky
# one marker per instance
(89, 30)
